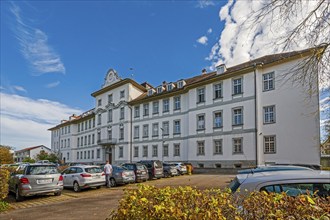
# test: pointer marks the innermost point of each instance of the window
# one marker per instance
(82, 126)
(150, 92)
(89, 139)
(122, 113)
(145, 131)
(238, 116)
(85, 141)
(121, 133)
(155, 130)
(93, 122)
(177, 129)
(237, 86)
(269, 114)
(110, 99)
(165, 128)
(169, 87)
(201, 122)
(136, 132)
(78, 155)
(136, 151)
(109, 133)
(81, 155)
(177, 103)
(217, 120)
(159, 89)
(98, 153)
(200, 148)
(78, 127)
(180, 84)
(89, 124)
(93, 138)
(78, 141)
(155, 107)
(85, 125)
(84, 154)
(121, 152)
(145, 109)
(89, 154)
(166, 105)
(200, 95)
(165, 150)
(176, 150)
(98, 136)
(92, 154)
(155, 150)
(237, 145)
(110, 115)
(99, 118)
(268, 81)
(136, 111)
(122, 94)
(217, 91)
(145, 151)
(99, 102)
(269, 144)
(217, 147)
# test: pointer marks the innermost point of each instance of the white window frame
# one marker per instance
(270, 144)
(200, 148)
(166, 128)
(201, 122)
(145, 131)
(269, 114)
(238, 118)
(217, 123)
(218, 149)
(177, 102)
(238, 145)
(122, 113)
(136, 151)
(136, 131)
(136, 111)
(121, 152)
(165, 150)
(155, 107)
(217, 88)
(146, 109)
(155, 129)
(155, 150)
(268, 81)
(237, 86)
(176, 150)
(200, 95)
(122, 94)
(166, 105)
(176, 127)
(145, 151)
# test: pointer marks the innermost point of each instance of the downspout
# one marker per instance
(255, 65)
(131, 134)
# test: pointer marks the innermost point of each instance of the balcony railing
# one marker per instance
(107, 141)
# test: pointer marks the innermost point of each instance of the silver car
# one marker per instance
(83, 176)
(35, 179)
(121, 175)
(293, 182)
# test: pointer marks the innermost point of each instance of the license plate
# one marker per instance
(143, 172)
(44, 181)
(96, 177)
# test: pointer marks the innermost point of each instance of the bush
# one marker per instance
(4, 206)
(148, 202)
(4, 178)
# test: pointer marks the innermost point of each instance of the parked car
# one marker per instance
(155, 168)
(169, 170)
(140, 170)
(182, 169)
(83, 176)
(121, 175)
(293, 182)
(269, 168)
(35, 179)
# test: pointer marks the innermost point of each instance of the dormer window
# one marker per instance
(150, 92)
(169, 86)
(221, 69)
(180, 84)
(159, 89)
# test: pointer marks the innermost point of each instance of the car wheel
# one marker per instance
(113, 182)
(18, 196)
(98, 187)
(58, 193)
(76, 187)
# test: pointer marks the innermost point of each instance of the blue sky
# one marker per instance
(54, 54)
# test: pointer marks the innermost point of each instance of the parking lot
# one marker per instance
(98, 203)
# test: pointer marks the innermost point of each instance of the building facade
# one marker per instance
(30, 152)
(237, 117)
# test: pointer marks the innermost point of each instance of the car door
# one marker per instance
(68, 176)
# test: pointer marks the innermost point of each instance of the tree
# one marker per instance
(307, 24)
(6, 157)
(53, 158)
(43, 155)
(28, 160)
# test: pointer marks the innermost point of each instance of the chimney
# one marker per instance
(221, 68)
(204, 71)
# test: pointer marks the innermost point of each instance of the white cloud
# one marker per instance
(19, 88)
(204, 3)
(202, 40)
(35, 47)
(209, 31)
(240, 43)
(24, 121)
(52, 85)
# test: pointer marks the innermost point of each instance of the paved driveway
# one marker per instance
(97, 203)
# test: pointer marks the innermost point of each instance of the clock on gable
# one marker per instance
(111, 78)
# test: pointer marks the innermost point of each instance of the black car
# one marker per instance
(155, 168)
(140, 170)
(169, 170)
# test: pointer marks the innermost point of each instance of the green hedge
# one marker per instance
(148, 202)
(4, 178)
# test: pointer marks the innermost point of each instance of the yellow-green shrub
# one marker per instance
(4, 177)
(148, 202)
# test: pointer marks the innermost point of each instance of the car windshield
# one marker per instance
(41, 170)
(158, 164)
(140, 167)
(93, 170)
(129, 166)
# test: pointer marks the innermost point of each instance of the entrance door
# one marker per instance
(110, 157)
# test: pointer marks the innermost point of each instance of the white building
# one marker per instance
(30, 152)
(236, 117)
